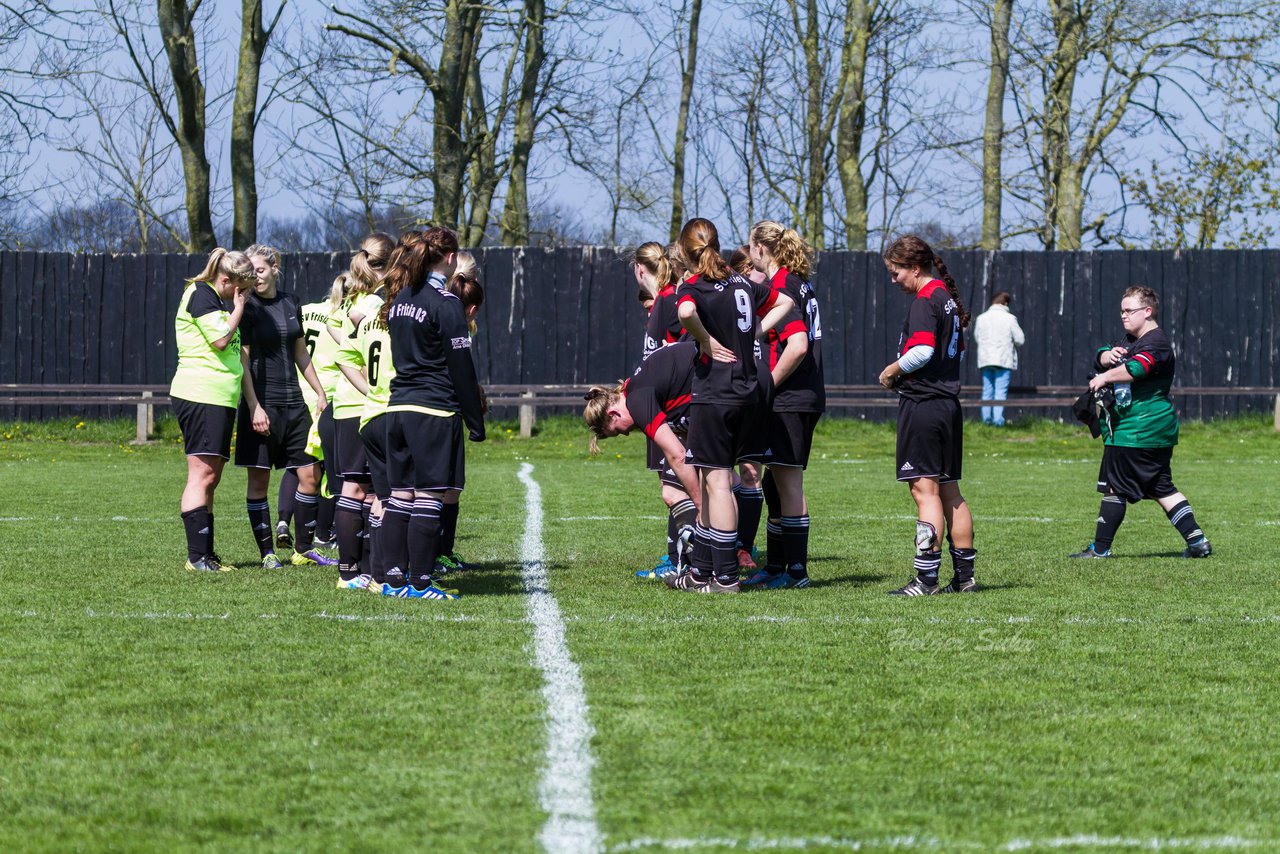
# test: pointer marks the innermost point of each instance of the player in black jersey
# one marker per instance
(657, 274)
(930, 423)
(793, 356)
(656, 399)
(748, 485)
(720, 308)
(274, 421)
(433, 396)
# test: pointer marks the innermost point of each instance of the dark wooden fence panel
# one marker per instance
(571, 315)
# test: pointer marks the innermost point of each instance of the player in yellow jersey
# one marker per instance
(206, 389)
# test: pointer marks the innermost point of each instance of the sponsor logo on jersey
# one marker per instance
(461, 343)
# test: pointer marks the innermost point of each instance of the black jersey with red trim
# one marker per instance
(933, 319)
(805, 390)
(270, 328)
(659, 391)
(728, 309)
(431, 349)
(664, 322)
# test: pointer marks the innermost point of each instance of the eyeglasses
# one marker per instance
(1125, 312)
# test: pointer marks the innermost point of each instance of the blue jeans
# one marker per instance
(995, 386)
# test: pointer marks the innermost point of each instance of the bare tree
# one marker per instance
(244, 119)
(993, 129)
(685, 30)
(1134, 53)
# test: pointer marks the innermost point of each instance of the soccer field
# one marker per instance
(1091, 705)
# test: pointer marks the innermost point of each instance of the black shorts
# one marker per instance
(284, 446)
(206, 428)
(719, 434)
(930, 439)
(349, 449)
(425, 452)
(327, 447)
(790, 439)
(1136, 473)
(374, 436)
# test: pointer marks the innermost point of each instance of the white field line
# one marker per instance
(932, 843)
(565, 788)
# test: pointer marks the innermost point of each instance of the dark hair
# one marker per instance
(412, 259)
(1000, 298)
(699, 248)
(910, 251)
(740, 260)
(1148, 297)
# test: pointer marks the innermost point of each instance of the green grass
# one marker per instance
(1073, 706)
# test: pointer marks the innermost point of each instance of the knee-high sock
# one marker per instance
(374, 554)
(308, 506)
(198, 525)
(682, 515)
(750, 504)
(962, 562)
(1110, 515)
(1185, 521)
(724, 554)
(795, 544)
(448, 528)
(700, 553)
(395, 541)
(324, 517)
(284, 499)
(260, 523)
(424, 540)
(927, 566)
(349, 522)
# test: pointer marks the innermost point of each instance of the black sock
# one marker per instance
(260, 522)
(962, 562)
(308, 507)
(448, 528)
(366, 507)
(795, 545)
(927, 566)
(395, 541)
(424, 540)
(681, 519)
(750, 505)
(284, 499)
(349, 522)
(1185, 521)
(724, 554)
(1110, 515)
(775, 553)
(700, 553)
(374, 553)
(324, 517)
(198, 524)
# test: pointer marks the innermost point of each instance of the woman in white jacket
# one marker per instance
(998, 336)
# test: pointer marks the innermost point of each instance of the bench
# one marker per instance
(528, 398)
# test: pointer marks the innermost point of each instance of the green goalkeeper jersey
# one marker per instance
(205, 374)
(1149, 419)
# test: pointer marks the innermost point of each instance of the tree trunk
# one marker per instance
(815, 139)
(515, 211)
(462, 26)
(176, 27)
(852, 121)
(682, 122)
(244, 117)
(1064, 193)
(993, 132)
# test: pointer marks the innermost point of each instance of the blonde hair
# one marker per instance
(699, 249)
(740, 260)
(596, 413)
(653, 257)
(222, 262)
(465, 285)
(338, 291)
(785, 245)
(678, 270)
(261, 250)
(369, 264)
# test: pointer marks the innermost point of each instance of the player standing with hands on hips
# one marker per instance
(1140, 429)
(930, 422)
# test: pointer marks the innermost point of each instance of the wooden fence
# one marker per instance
(570, 316)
